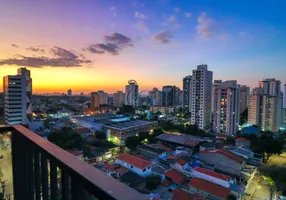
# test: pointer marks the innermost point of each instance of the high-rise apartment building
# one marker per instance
(132, 93)
(244, 97)
(201, 97)
(156, 97)
(18, 97)
(118, 99)
(69, 93)
(98, 98)
(284, 97)
(168, 95)
(187, 81)
(226, 107)
(265, 107)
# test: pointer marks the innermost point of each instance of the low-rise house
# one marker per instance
(83, 131)
(117, 171)
(242, 142)
(174, 176)
(212, 176)
(135, 164)
(242, 151)
(150, 151)
(181, 164)
(161, 146)
(223, 160)
(208, 189)
(76, 153)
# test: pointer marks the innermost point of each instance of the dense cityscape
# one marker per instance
(213, 139)
(142, 100)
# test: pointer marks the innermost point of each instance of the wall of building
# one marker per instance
(211, 179)
(141, 172)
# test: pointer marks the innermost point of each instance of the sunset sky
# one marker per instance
(87, 45)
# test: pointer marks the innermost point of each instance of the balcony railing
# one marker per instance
(43, 171)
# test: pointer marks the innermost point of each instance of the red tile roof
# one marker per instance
(181, 162)
(176, 176)
(106, 165)
(160, 146)
(242, 139)
(120, 170)
(133, 160)
(225, 153)
(179, 194)
(210, 188)
(212, 173)
(75, 152)
(82, 130)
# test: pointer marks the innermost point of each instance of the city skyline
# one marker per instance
(101, 45)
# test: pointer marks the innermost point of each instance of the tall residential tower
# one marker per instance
(201, 97)
(132, 93)
(18, 97)
(226, 107)
(187, 82)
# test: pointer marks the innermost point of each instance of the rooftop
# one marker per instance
(82, 130)
(181, 139)
(179, 194)
(210, 188)
(75, 152)
(176, 176)
(133, 160)
(181, 162)
(212, 173)
(129, 124)
(225, 153)
(242, 139)
(161, 146)
(148, 148)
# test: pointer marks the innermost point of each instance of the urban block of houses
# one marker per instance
(83, 131)
(212, 177)
(223, 160)
(174, 176)
(208, 189)
(135, 164)
(150, 151)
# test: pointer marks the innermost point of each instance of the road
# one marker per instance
(262, 192)
(6, 166)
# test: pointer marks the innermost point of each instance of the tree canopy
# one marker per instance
(66, 138)
(153, 181)
(276, 175)
(132, 142)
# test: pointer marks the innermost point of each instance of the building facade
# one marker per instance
(201, 97)
(18, 97)
(187, 82)
(132, 93)
(244, 97)
(226, 112)
(69, 93)
(118, 99)
(98, 98)
(265, 107)
(156, 97)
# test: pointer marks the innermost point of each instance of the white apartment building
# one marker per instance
(18, 97)
(226, 110)
(118, 99)
(244, 97)
(132, 93)
(156, 97)
(201, 97)
(98, 98)
(265, 107)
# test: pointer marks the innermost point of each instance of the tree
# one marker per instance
(100, 135)
(66, 138)
(153, 181)
(243, 116)
(47, 123)
(276, 175)
(1, 196)
(143, 135)
(231, 197)
(87, 152)
(132, 142)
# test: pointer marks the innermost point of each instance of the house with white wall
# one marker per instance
(135, 164)
(213, 177)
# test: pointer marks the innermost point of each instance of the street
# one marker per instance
(6, 166)
(262, 192)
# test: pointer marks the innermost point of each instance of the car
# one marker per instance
(1, 156)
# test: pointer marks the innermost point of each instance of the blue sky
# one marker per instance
(242, 40)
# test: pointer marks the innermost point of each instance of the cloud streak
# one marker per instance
(62, 58)
(112, 44)
(139, 15)
(163, 37)
(14, 45)
(36, 49)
